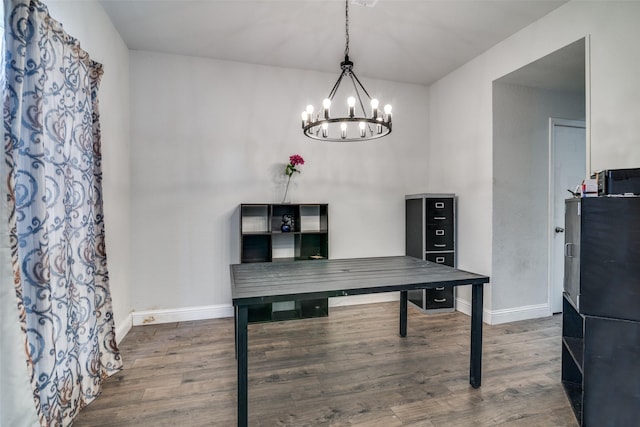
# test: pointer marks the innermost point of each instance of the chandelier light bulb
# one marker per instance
(325, 129)
(305, 118)
(326, 104)
(351, 102)
(310, 112)
(374, 108)
(379, 125)
(387, 112)
(343, 130)
(361, 125)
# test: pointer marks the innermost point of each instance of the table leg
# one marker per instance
(242, 321)
(475, 371)
(403, 313)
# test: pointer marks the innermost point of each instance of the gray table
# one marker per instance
(268, 282)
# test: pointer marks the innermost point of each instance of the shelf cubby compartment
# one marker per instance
(573, 331)
(260, 313)
(312, 246)
(572, 355)
(277, 214)
(313, 218)
(256, 248)
(283, 247)
(254, 219)
(314, 308)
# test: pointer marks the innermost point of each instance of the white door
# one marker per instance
(567, 166)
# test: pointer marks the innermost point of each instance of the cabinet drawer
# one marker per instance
(439, 211)
(439, 298)
(439, 258)
(439, 237)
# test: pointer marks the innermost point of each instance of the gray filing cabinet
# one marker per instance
(431, 235)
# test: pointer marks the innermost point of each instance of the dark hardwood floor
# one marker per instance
(350, 369)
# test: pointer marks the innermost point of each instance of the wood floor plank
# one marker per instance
(348, 369)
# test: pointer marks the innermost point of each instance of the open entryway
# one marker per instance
(531, 181)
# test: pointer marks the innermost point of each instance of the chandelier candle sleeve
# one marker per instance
(355, 125)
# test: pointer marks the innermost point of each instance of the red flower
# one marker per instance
(296, 160)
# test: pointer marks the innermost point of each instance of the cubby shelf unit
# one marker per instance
(263, 239)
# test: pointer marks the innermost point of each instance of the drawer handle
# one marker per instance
(440, 289)
(438, 245)
(439, 232)
(440, 300)
(439, 205)
(440, 218)
(439, 259)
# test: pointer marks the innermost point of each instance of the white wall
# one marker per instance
(461, 114)
(208, 135)
(520, 196)
(87, 21)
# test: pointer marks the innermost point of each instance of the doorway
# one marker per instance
(523, 103)
(567, 169)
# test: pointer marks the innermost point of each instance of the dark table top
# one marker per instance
(264, 282)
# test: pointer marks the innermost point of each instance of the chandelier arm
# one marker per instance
(336, 86)
(361, 85)
(364, 112)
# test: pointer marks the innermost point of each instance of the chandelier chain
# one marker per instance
(346, 28)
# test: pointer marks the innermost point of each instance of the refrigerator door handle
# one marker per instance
(568, 252)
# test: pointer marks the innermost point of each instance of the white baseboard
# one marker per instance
(464, 306)
(123, 328)
(496, 317)
(150, 317)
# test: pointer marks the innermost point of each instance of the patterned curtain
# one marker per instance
(56, 224)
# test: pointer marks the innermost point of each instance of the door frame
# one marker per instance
(553, 122)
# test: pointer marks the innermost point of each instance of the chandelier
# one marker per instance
(356, 125)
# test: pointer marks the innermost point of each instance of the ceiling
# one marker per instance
(412, 41)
